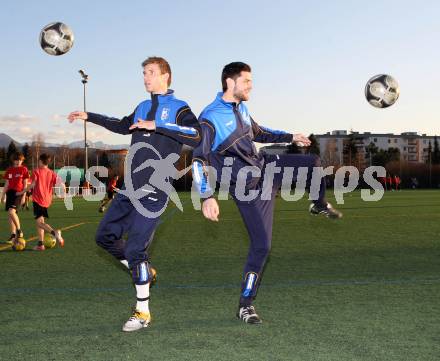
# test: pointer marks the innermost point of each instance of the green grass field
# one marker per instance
(366, 287)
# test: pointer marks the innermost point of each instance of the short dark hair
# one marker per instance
(233, 71)
(163, 65)
(17, 156)
(45, 158)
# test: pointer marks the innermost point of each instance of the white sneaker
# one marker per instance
(59, 238)
(137, 321)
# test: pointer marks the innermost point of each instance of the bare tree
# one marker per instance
(64, 153)
(36, 146)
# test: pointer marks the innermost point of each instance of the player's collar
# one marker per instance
(228, 104)
(162, 98)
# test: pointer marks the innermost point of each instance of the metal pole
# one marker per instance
(430, 171)
(85, 79)
(86, 163)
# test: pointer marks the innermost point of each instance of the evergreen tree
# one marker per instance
(350, 151)
(103, 160)
(26, 150)
(12, 149)
(382, 157)
(371, 150)
(436, 152)
(3, 161)
(429, 159)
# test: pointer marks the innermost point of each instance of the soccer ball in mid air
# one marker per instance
(19, 244)
(56, 38)
(382, 91)
(49, 241)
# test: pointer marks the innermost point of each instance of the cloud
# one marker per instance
(26, 131)
(62, 117)
(17, 120)
(54, 129)
(61, 136)
(98, 135)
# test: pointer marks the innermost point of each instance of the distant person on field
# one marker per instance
(111, 189)
(43, 181)
(389, 182)
(16, 180)
(397, 182)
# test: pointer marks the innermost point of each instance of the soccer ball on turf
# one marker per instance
(382, 91)
(49, 241)
(19, 244)
(56, 38)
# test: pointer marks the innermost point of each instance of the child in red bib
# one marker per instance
(43, 181)
(16, 180)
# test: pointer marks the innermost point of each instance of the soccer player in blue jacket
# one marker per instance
(228, 135)
(164, 123)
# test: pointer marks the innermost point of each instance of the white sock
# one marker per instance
(124, 262)
(142, 292)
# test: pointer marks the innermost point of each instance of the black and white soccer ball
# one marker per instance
(56, 38)
(382, 91)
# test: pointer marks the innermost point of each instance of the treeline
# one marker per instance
(412, 174)
(63, 156)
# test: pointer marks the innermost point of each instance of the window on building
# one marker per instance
(395, 140)
(375, 140)
(389, 140)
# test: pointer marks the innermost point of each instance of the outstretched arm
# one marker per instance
(121, 126)
(267, 135)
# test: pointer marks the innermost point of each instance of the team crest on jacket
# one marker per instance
(165, 114)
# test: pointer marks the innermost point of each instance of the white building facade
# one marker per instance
(412, 146)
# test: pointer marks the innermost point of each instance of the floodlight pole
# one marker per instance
(85, 79)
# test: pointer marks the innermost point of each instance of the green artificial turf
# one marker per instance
(366, 287)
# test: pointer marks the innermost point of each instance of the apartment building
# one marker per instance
(412, 146)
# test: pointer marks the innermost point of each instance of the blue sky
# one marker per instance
(310, 61)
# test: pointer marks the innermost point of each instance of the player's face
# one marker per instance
(18, 162)
(243, 86)
(154, 80)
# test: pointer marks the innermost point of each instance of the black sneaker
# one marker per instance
(247, 314)
(327, 211)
